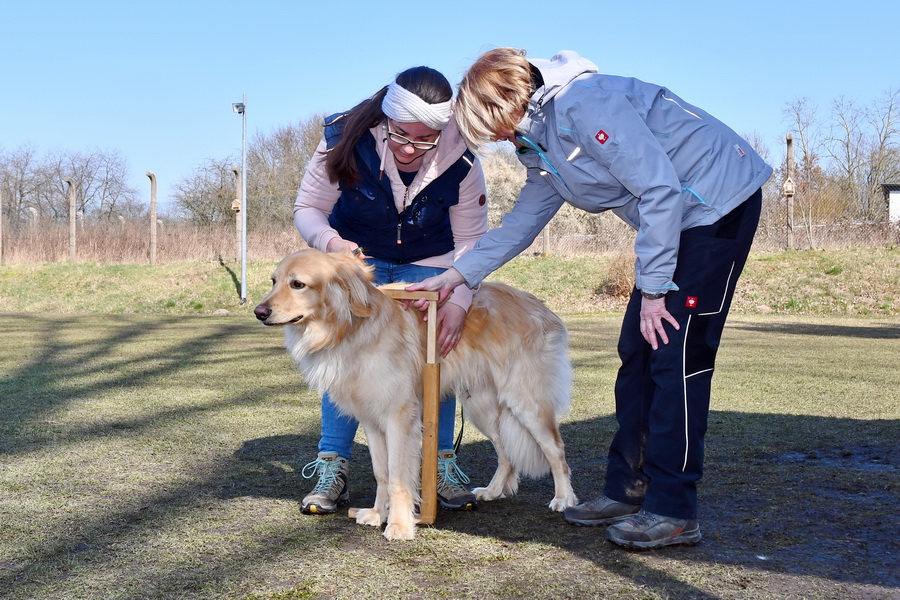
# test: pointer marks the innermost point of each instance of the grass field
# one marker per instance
(857, 282)
(157, 454)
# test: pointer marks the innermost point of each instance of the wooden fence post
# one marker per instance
(71, 183)
(152, 217)
(788, 191)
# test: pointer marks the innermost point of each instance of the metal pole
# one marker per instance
(244, 203)
(152, 217)
(71, 183)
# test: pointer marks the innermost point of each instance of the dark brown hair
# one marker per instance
(426, 83)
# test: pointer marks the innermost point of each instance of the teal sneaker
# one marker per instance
(332, 489)
(452, 492)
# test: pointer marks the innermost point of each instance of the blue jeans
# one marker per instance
(338, 430)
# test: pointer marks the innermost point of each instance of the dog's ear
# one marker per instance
(351, 289)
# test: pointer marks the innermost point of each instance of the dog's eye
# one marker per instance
(297, 285)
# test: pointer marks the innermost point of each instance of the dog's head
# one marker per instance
(311, 288)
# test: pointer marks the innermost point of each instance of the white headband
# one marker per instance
(403, 106)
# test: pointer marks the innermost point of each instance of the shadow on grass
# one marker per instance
(821, 502)
(881, 331)
(75, 362)
(234, 278)
(784, 494)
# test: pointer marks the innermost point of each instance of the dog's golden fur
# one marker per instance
(511, 372)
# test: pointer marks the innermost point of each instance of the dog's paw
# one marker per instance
(368, 516)
(561, 504)
(486, 494)
(396, 531)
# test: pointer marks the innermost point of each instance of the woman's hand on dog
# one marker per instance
(337, 244)
(451, 318)
(443, 283)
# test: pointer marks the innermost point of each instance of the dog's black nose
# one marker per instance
(262, 312)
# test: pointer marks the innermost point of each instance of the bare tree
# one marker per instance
(20, 180)
(100, 178)
(846, 146)
(38, 182)
(205, 197)
(504, 176)
(276, 164)
(772, 206)
(884, 149)
(811, 180)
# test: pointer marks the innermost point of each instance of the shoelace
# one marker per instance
(451, 474)
(642, 518)
(327, 477)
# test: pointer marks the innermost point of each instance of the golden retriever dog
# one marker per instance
(511, 371)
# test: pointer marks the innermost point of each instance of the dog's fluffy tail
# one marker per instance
(521, 448)
(531, 406)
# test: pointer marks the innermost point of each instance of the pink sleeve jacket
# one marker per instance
(468, 219)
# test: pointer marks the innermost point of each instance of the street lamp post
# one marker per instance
(241, 109)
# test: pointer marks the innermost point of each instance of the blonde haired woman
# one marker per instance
(690, 187)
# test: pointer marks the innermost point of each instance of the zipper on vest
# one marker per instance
(399, 226)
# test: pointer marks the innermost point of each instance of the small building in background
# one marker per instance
(892, 195)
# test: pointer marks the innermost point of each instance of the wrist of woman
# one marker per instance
(653, 295)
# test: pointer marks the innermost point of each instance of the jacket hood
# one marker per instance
(558, 72)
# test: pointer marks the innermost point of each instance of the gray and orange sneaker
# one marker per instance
(646, 530)
(600, 511)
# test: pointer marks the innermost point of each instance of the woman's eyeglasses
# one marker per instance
(402, 140)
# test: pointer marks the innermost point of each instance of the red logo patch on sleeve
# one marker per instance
(691, 302)
(602, 136)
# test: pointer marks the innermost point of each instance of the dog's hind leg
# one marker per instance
(505, 481)
(543, 428)
(481, 409)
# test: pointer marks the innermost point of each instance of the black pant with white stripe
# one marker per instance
(662, 396)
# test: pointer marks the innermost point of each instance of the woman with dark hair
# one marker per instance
(393, 182)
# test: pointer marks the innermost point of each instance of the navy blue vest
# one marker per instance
(366, 213)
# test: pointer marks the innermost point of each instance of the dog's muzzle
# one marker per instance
(264, 312)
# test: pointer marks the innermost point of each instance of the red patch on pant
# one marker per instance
(691, 302)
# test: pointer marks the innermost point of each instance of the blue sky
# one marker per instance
(155, 81)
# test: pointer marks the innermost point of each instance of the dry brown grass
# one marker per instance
(129, 243)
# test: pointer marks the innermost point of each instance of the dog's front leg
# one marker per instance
(404, 444)
(378, 514)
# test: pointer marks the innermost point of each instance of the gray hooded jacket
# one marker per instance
(602, 142)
